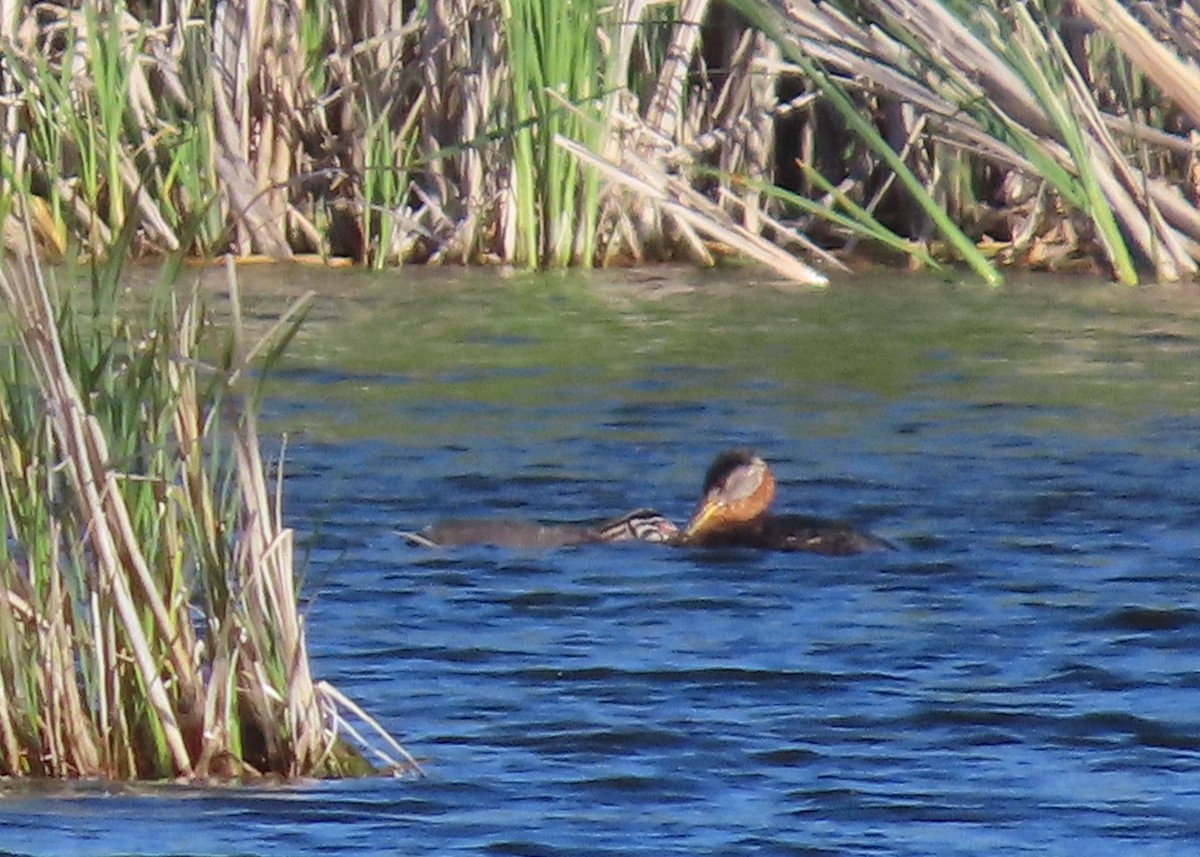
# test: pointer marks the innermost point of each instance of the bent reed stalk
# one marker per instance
(150, 625)
(1039, 133)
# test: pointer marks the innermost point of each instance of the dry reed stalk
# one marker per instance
(696, 211)
(743, 111)
(1174, 74)
(785, 235)
(8, 729)
(399, 759)
(249, 82)
(967, 70)
(731, 124)
(662, 113)
(727, 125)
(464, 76)
(94, 483)
(627, 14)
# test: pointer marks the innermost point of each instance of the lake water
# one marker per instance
(1021, 677)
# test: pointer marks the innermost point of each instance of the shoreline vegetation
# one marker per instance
(150, 623)
(541, 133)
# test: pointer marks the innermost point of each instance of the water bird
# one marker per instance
(644, 525)
(734, 512)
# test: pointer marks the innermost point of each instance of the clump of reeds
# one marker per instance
(1045, 129)
(546, 133)
(375, 133)
(150, 625)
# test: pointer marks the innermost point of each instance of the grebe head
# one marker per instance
(738, 488)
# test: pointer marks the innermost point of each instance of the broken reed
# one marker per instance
(149, 619)
(427, 132)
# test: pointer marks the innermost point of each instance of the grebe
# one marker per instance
(738, 490)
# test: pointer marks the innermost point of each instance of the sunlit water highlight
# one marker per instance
(1021, 677)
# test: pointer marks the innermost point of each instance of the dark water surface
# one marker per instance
(1022, 677)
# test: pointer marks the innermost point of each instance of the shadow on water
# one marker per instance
(1019, 678)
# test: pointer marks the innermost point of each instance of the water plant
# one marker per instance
(548, 133)
(150, 622)
(1014, 89)
(554, 62)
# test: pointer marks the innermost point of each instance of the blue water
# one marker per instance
(1021, 677)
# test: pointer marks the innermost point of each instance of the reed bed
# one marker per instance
(548, 133)
(1051, 132)
(150, 625)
